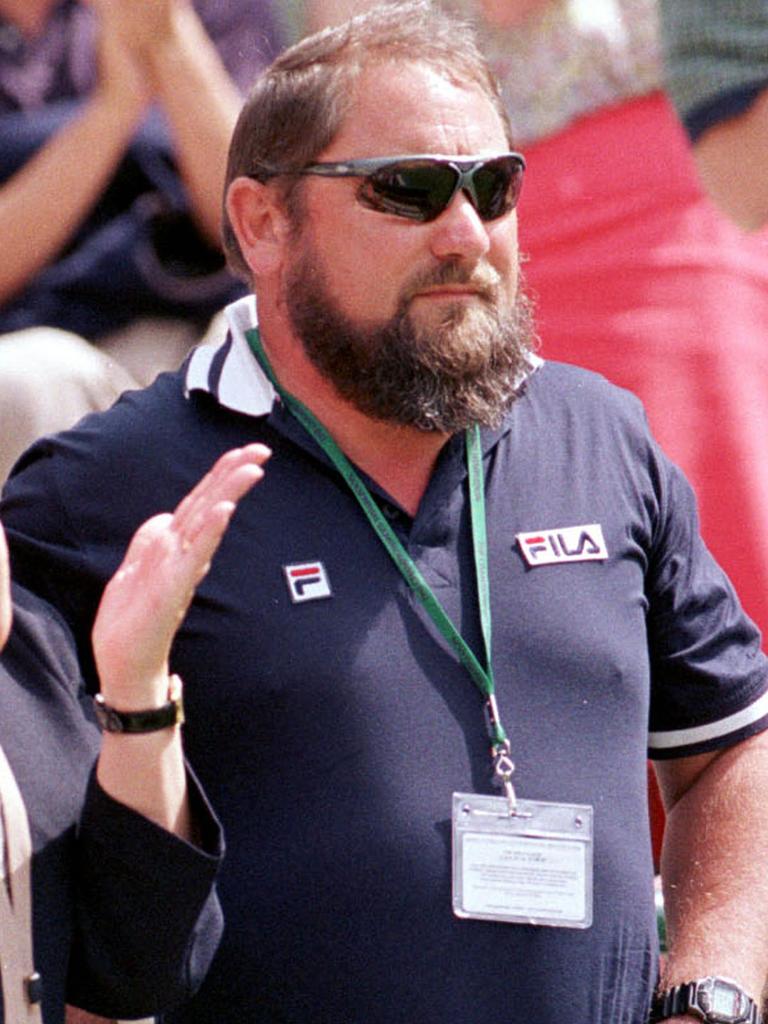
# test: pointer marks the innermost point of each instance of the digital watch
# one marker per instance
(712, 1000)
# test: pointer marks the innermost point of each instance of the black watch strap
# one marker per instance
(148, 720)
(696, 999)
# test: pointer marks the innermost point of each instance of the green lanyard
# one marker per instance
(483, 678)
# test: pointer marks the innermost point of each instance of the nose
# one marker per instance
(459, 232)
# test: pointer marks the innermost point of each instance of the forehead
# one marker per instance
(412, 108)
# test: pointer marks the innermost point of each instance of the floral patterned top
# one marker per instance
(572, 58)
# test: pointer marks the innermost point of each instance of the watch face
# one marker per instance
(722, 1002)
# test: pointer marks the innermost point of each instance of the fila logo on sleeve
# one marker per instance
(307, 581)
(567, 544)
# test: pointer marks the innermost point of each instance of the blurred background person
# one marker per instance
(115, 117)
(716, 59)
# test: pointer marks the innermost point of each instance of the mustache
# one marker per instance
(484, 280)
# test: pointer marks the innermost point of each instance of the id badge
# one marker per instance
(533, 866)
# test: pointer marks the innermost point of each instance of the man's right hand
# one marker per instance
(149, 595)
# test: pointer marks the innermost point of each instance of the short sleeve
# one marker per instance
(709, 675)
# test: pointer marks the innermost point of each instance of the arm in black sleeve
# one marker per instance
(148, 920)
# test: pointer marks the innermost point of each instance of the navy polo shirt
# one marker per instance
(331, 731)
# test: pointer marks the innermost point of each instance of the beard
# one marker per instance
(461, 369)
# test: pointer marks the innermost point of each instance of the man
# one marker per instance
(107, 876)
(717, 76)
(349, 736)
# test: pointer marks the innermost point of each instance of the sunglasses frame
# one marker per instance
(464, 168)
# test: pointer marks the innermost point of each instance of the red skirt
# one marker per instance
(636, 275)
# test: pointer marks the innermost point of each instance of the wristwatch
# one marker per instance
(148, 720)
(713, 1000)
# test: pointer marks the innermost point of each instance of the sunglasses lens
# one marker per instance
(422, 189)
(497, 186)
(417, 189)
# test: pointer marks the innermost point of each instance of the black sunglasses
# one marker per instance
(421, 187)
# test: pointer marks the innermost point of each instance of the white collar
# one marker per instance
(228, 370)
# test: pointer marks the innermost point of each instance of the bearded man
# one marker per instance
(466, 566)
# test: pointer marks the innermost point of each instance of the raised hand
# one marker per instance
(186, 77)
(121, 73)
(140, 24)
(147, 598)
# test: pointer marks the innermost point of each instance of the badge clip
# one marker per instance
(503, 765)
(503, 768)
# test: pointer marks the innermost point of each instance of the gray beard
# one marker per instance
(464, 370)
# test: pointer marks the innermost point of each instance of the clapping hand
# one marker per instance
(147, 598)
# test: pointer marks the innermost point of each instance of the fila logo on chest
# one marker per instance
(307, 581)
(567, 544)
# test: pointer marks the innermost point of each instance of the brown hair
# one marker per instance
(299, 102)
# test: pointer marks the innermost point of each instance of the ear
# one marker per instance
(259, 223)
